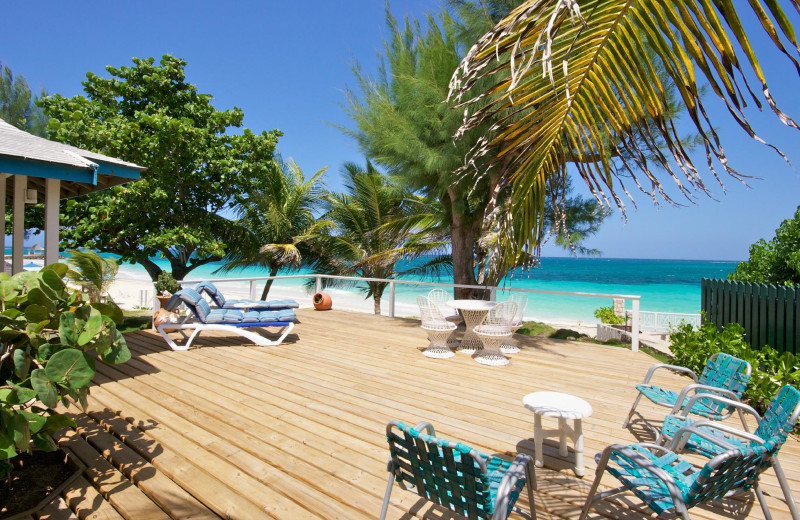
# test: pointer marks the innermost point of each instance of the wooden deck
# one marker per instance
(297, 431)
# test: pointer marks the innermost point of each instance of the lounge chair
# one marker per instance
(723, 375)
(226, 320)
(454, 475)
(259, 305)
(668, 484)
(778, 422)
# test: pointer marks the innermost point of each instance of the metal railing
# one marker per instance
(634, 312)
(664, 321)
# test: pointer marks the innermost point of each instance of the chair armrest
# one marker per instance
(676, 368)
(733, 403)
(694, 387)
(641, 461)
(683, 435)
(510, 479)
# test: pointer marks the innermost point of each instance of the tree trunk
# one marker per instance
(462, 236)
(265, 292)
(152, 269)
(376, 298)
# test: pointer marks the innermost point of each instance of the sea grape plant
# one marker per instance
(771, 369)
(50, 336)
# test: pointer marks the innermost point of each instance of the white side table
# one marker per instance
(562, 407)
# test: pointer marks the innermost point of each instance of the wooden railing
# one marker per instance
(253, 281)
(770, 314)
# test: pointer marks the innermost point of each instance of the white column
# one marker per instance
(3, 177)
(635, 326)
(51, 198)
(18, 240)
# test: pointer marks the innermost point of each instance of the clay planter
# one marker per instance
(162, 300)
(322, 301)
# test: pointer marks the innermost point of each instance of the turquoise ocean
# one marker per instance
(663, 285)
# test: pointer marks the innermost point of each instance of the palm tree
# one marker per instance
(276, 221)
(371, 231)
(587, 83)
(92, 272)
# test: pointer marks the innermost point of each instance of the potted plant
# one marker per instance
(166, 286)
(609, 317)
(50, 338)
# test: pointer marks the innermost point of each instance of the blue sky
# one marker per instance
(286, 65)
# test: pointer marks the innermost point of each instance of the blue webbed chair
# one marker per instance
(454, 475)
(723, 375)
(778, 422)
(204, 318)
(670, 485)
(223, 303)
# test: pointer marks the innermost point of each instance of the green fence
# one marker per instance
(770, 314)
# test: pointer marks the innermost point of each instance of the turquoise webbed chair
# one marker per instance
(454, 475)
(223, 303)
(670, 485)
(778, 422)
(723, 375)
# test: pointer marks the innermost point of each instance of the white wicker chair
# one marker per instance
(509, 345)
(440, 297)
(493, 331)
(437, 328)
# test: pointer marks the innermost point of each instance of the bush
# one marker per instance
(607, 315)
(771, 369)
(48, 338)
(166, 282)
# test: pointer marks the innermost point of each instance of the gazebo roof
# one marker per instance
(80, 171)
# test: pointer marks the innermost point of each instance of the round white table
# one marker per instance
(562, 407)
(473, 312)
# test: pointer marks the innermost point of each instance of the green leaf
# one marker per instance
(93, 326)
(22, 363)
(57, 421)
(44, 442)
(45, 389)
(67, 329)
(23, 395)
(119, 352)
(58, 269)
(7, 449)
(35, 422)
(37, 296)
(71, 368)
(20, 430)
(111, 310)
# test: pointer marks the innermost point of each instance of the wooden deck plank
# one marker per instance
(88, 503)
(297, 430)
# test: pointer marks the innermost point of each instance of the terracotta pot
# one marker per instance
(322, 301)
(162, 300)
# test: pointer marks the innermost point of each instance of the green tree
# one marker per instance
(18, 104)
(776, 261)
(92, 272)
(404, 124)
(276, 221)
(367, 238)
(601, 104)
(150, 115)
(18, 107)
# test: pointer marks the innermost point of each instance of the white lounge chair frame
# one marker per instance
(198, 327)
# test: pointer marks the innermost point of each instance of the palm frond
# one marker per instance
(579, 82)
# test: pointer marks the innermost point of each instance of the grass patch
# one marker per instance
(535, 328)
(135, 320)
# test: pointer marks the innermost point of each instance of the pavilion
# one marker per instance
(35, 169)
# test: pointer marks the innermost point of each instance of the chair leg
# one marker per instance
(787, 491)
(762, 501)
(591, 497)
(530, 471)
(385, 506)
(633, 408)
